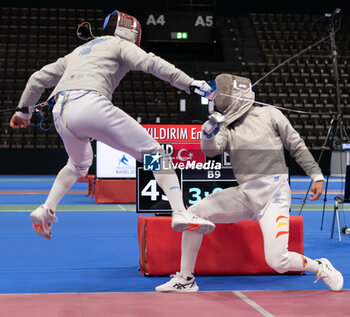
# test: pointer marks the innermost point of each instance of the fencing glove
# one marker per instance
(211, 127)
(201, 87)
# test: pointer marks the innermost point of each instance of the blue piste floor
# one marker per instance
(95, 247)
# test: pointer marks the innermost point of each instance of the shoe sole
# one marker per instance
(194, 289)
(38, 228)
(41, 233)
(194, 227)
(342, 282)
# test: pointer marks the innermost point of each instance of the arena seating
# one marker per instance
(306, 83)
(252, 45)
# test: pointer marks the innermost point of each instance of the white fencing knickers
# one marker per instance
(81, 115)
(239, 203)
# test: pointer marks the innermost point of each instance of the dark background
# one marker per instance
(50, 161)
(223, 7)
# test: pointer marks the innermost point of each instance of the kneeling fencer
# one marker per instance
(84, 82)
(255, 138)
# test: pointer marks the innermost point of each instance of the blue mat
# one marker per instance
(98, 252)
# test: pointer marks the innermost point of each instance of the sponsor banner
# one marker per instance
(111, 163)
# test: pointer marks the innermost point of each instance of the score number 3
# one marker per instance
(197, 194)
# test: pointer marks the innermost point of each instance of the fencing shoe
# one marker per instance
(187, 221)
(43, 218)
(328, 274)
(178, 283)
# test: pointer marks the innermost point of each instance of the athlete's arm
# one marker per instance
(17, 122)
(46, 77)
(296, 146)
(214, 144)
(137, 59)
(316, 190)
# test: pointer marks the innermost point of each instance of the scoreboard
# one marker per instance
(199, 176)
(195, 185)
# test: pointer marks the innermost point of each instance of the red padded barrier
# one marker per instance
(83, 179)
(229, 250)
(108, 191)
(90, 180)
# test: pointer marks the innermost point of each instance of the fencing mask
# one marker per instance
(123, 25)
(228, 89)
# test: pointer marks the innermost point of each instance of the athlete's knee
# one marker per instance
(280, 263)
(157, 148)
(193, 209)
(199, 212)
(80, 169)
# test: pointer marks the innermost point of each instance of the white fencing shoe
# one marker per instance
(187, 221)
(328, 274)
(179, 284)
(43, 218)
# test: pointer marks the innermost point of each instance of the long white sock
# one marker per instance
(65, 179)
(311, 265)
(299, 262)
(191, 242)
(169, 182)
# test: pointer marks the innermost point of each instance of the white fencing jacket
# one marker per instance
(98, 65)
(255, 144)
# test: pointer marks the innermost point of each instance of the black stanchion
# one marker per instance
(336, 123)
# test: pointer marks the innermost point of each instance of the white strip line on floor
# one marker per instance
(69, 210)
(307, 180)
(250, 302)
(121, 207)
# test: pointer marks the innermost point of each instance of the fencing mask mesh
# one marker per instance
(228, 89)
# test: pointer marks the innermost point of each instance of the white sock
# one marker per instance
(169, 182)
(299, 262)
(191, 242)
(312, 265)
(65, 179)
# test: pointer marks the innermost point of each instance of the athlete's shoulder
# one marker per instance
(100, 45)
(101, 39)
(268, 110)
(267, 114)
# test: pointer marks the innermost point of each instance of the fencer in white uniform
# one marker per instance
(84, 82)
(255, 138)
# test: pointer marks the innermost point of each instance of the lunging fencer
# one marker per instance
(84, 82)
(255, 138)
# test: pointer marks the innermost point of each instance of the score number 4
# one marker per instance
(151, 190)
